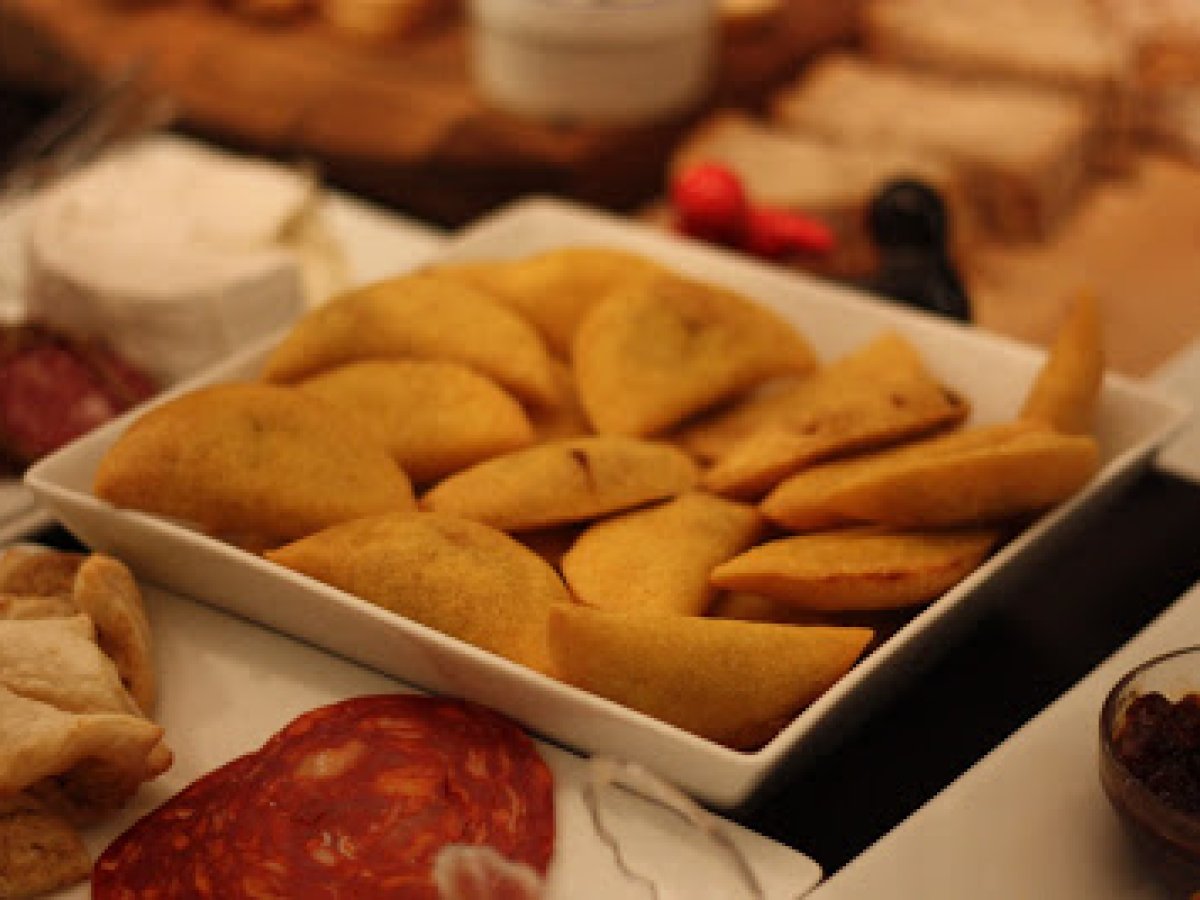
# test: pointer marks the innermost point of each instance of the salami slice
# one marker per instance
(351, 800)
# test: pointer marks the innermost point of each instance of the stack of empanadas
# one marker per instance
(591, 464)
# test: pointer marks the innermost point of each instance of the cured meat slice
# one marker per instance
(55, 387)
(153, 858)
(354, 799)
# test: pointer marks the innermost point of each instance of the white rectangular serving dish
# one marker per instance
(993, 372)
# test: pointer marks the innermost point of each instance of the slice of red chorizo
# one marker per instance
(355, 799)
(151, 858)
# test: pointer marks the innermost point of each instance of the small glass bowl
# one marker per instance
(1170, 834)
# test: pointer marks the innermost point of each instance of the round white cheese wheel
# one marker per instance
(175, 253)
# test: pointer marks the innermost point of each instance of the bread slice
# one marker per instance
(1066, 45)
(832, 183)
(1021, 154)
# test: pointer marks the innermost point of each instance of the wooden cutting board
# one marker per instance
(400, 122)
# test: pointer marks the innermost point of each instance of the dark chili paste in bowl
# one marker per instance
(1150, 754)
(1159, 743)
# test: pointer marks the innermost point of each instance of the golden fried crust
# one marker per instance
(857, 569)
(658, 559)
(421, 316)
(434, 417)
(564, 481)
(736, 683)
(648, 356)
(461, 577)
(556, 289)
(252, 458)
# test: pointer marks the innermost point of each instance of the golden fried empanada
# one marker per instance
(711, 435)
(563, 481)
(252, 458)
(555, 289)
(649, 355)
(434, 417)
(976, 476)
(736, 683)
(568, 418)
(419, 316)
(857, 568)
(1067, 387)
(658, 559)
(875, 396)
(461, 577)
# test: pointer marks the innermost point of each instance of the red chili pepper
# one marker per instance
(775, 233)
(710, 203)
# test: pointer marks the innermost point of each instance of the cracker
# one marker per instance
(39, 572)
(99, 755)
(39, 850)
(58, 661)
(106, 591)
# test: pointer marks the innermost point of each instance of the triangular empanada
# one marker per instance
(460, 577)
(878, 395)
(569, 480)
(736, 683)
(649, 355)
(434, 417)
(253, 459)
(555, 289)
(857, 568)
(421, 316)
(658, 559)
(981, 475)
